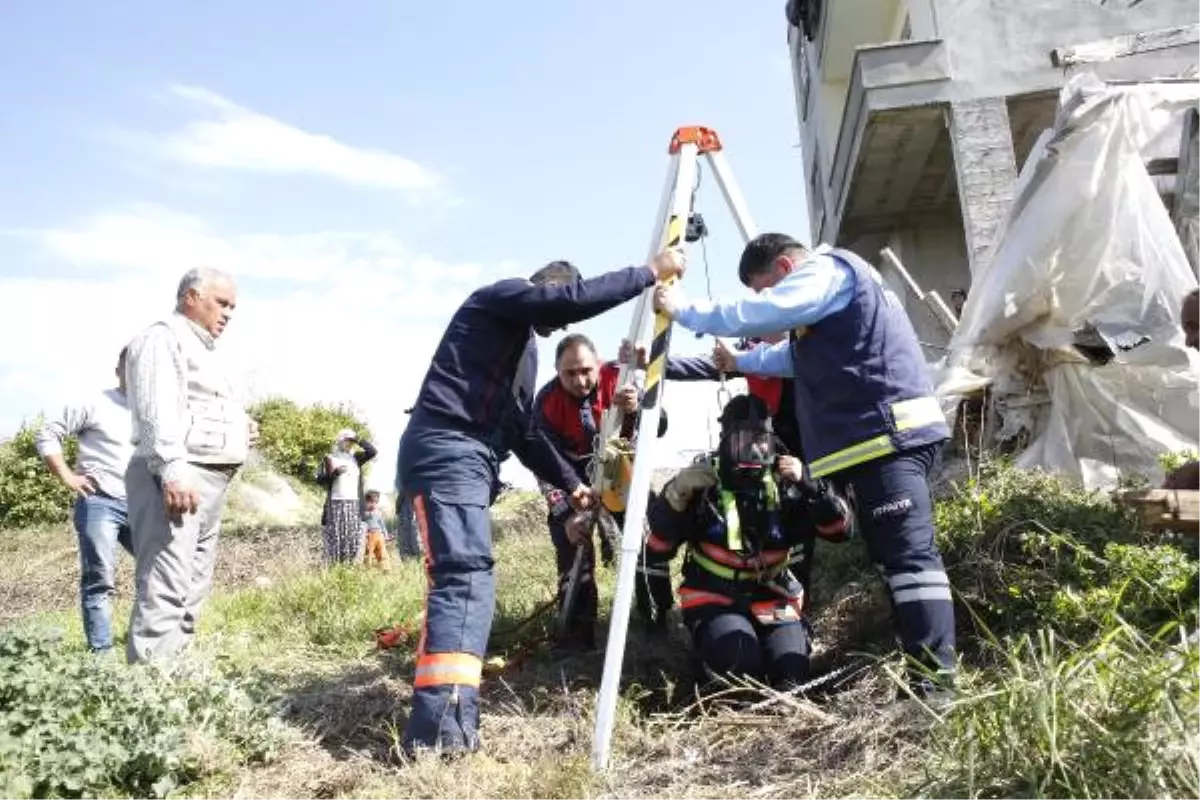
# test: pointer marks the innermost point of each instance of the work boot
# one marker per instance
(444, 720)
(929, 692)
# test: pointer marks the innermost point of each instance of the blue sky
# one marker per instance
(360, 168)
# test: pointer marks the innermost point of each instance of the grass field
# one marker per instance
(1109, 713)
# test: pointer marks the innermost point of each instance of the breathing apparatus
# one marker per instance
(746, 455)
(746, 458)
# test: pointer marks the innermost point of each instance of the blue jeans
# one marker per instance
(101, 523)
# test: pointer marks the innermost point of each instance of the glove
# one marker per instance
(698, 477)
(829, 512)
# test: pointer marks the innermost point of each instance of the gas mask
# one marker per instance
(747, 449)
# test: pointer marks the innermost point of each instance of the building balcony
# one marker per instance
(891, 129)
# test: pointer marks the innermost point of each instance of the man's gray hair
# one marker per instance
(197, 278)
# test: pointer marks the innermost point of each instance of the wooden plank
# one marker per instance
(1126, 45)
(941, 312)
(941, 309)
(1170, 509)
(893, 262)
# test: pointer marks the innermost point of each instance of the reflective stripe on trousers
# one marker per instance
(438, 669)
(915, 587)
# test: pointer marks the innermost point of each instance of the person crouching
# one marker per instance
(747, 520)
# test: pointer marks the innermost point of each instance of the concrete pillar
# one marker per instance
(986, 168)
(1187, 189)
(922, 19)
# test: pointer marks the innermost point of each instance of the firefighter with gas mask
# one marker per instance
(747, 518)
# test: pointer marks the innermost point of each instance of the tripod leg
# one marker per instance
(733, 195)
(638, 495)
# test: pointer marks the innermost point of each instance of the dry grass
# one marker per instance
(39, 569)
(304, 637)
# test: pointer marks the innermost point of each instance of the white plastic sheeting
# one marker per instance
(1088, 252)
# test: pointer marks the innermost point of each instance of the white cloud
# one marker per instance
(233, 137)
(329, 316)
(153, 239)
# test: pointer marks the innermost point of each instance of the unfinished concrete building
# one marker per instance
(917, 115)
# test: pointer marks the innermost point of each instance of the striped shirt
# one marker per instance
(185, 409)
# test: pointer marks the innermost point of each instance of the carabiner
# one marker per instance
(723, 394)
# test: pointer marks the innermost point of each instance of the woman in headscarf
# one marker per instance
(341, 475)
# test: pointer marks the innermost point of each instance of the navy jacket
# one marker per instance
(571, 424)
(862, 385)
(482, 378)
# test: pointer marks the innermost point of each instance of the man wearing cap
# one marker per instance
(867, 414)
(474, 408)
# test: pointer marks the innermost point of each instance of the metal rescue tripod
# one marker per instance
(619, 487)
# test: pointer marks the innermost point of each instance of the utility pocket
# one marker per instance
(207, 435)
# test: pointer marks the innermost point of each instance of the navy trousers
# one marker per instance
(732, 643)
(895, 514)
(450, 478)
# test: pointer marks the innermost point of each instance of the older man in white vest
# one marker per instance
(191, 434)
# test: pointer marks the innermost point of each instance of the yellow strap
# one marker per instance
(732, 574)
(733, 523)
(772, 491)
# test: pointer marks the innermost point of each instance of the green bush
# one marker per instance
(1026, 550)
(1173, 461)
(29, 493)
(295, 438)
(73, 724)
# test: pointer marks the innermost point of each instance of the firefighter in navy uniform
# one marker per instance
(568, 411)
(474, 409)
(747, 519)
(868, 417)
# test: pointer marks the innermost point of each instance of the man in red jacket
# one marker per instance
(567, 414)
